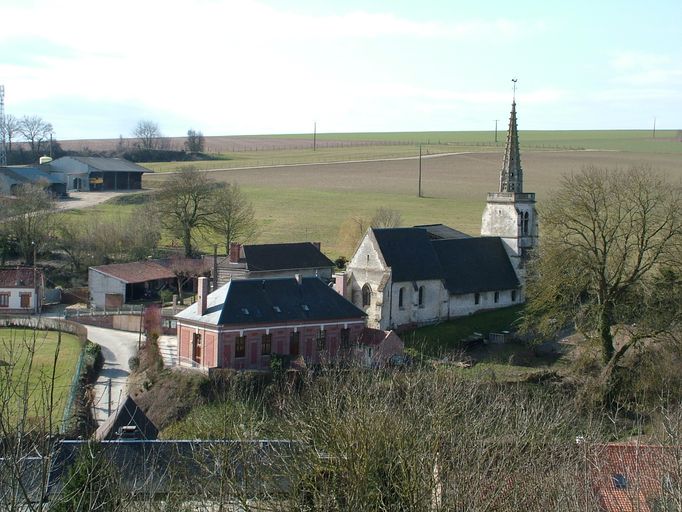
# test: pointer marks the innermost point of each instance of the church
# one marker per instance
(404, 277)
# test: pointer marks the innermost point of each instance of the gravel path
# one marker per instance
(87, 199)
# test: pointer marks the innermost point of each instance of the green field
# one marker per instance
(28, 352)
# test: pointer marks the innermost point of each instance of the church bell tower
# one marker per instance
(510, 213)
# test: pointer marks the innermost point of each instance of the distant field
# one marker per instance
(15, 348)
(310, 202)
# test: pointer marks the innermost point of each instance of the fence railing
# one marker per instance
(126, 309)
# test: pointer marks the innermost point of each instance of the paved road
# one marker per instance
(117, 348)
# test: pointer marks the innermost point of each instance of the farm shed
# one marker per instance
(98, 173)
(15, 176)
(114, 285)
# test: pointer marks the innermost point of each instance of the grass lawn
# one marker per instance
(435, 340)
(16, 348)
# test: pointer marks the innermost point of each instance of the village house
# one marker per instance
(21, 290)
(274, 260)
(427, 274)
(247, 321)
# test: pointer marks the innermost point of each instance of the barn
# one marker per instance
(97, 173)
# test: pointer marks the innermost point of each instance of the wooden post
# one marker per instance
(109, 405)
(420, 170)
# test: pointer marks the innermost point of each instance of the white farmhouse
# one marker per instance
(427, 274)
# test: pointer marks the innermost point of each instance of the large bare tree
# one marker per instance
(195, 141)
(148, 134)
(35, 131)
(185, 205)
(233, 217)
(11, 129)
(609, 239)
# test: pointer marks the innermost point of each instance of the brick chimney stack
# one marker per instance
(235, 252)
(202, 295)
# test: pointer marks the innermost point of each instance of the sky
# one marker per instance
(95, 68)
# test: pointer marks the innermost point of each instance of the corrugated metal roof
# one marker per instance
(109, 164)
(30, 175)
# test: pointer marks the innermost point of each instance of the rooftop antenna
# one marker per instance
(3, 154)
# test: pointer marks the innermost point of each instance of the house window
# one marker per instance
(401, 294)
(240, 346)
(196, 347)
(25, 300)
(620, 481)
(477, 298)
(421, 297)
(266, 345)
(294, 343)
(4, 300)
(366, 295)
(513, 295)
(497, 297)
(322, 340)
(345, 338)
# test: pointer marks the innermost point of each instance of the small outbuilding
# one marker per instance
(113, 285)
(16, 176)
(97, 173)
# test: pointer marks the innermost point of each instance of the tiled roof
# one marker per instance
(21, 277)
(475, 265)
(136, 272)
(276, 300)
(285, 256)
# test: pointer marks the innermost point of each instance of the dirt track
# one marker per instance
(79, 200)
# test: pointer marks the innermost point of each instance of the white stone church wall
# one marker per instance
(465, 304)
(433, 309)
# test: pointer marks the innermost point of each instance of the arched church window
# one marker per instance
(421, 297)
(401, 295)
(366, 295)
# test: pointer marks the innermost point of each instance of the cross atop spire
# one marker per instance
(511, 176)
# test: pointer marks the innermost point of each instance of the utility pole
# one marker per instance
(420, 170)
(109, 402)
(314, 135)
(215, 267)
(654, 127)
(496, 130)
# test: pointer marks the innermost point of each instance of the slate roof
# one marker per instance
(30, 175)
(128, 414)
(475, 265)
(465, 265)
(136, 272)
(284, 256)
(409, 253)
(441, 231)
(30, 471)
(109, 164)
(275, 300)
(21, 277)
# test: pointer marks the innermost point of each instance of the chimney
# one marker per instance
(202, 294)
(298, 278)
(340, 283)
(235, 252)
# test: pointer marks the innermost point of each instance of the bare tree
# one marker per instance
(185, 205)
(35, 131)
(31, 219)
(386, 218)
(148, 134)
(608, 235)
(195, 141)
(233, 217)
(11, 128)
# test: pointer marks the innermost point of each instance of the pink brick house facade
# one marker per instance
(244, 323)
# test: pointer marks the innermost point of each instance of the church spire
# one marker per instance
(511, 176)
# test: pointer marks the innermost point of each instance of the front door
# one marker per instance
(196, 347)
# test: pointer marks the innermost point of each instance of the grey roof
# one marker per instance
(158, 468)
(128, 414)
(23, 475)
(441, 231)
(465, 265)
(30, 175)
(475, 265)
(109, 164)
(275, 300)
(285, 256)
(409, 253)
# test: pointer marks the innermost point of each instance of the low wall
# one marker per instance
(54, 324)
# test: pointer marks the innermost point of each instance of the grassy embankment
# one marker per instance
(26, 350)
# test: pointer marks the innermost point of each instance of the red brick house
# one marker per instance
(21, 290)
(243, 323)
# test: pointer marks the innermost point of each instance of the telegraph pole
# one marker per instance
(496, 130)
(654, 127)
(314, 135)
(420, 171)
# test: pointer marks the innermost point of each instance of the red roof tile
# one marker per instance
(136, 272)
(21, 277)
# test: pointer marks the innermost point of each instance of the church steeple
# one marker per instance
(511, 176)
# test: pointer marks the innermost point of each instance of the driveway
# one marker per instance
(117, 348)
(87, 199)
